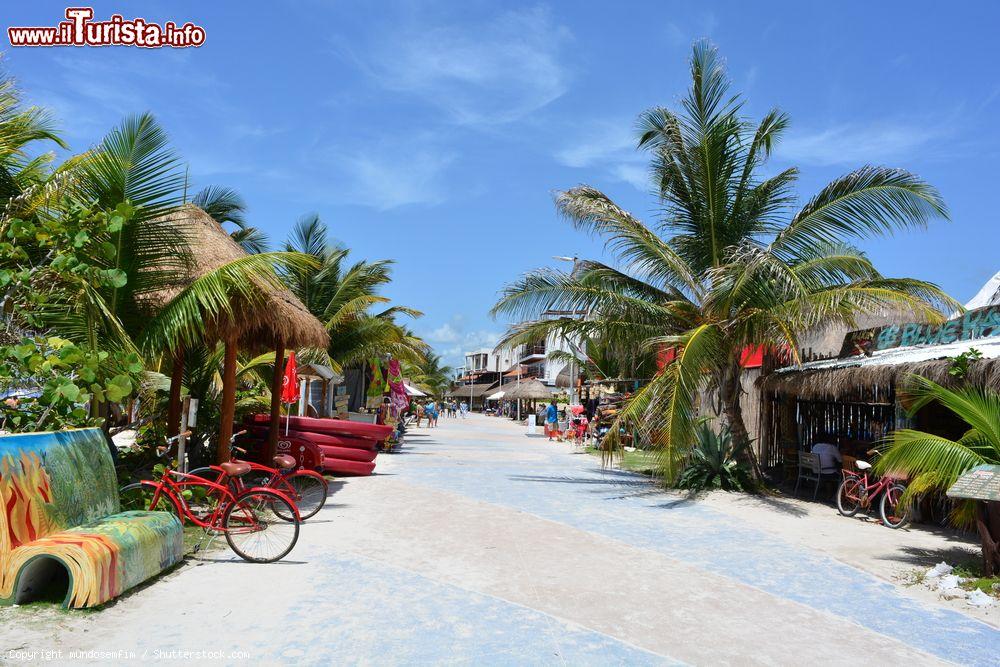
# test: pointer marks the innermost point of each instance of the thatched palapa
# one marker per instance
(837, 379)
(530, 390)
(274, 315)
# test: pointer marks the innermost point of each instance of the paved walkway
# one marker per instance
(476, 544)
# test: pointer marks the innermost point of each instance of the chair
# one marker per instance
(810, 469)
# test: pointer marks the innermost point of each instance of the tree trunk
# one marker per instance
(276, 382)
(228, 407)
(176, 380)
(729, 394)
(988, 526)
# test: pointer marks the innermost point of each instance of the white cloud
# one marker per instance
(611, 146)
(452, 341)
(443, 334)
(856, 144)
(388, 180)
(493, 73)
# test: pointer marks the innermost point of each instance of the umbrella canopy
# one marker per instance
(413, 391)
(290, 381)
(530, 390)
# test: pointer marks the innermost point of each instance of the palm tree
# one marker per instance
(934, 463)
(342, 295)
(430, 374)
(728, 266)
(21, 128)
(225, 205)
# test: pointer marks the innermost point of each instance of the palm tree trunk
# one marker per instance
(988, 526)
(729, 391)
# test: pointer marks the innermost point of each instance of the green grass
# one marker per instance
(638, 461)
(974, 572)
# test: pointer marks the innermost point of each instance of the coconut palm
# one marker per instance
(342, 296)
(729, 265)
(934, 463)
(21, 129)
(430, 374)
(225, 205)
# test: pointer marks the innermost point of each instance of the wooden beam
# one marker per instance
(228, 408)
(279, 374)
(176, 380)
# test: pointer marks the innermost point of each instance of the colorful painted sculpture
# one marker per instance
(60, 521)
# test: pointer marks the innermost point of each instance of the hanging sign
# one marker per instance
(980, 483)
(978, 323)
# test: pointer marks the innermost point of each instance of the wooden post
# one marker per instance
(228, 408)
(279, 374)
(176, 380)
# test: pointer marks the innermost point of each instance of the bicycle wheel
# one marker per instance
(848, 502)
(139, 496)
(255, 531)
(310, 494)
(894, 514)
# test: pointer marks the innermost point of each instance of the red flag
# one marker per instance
(290, 382)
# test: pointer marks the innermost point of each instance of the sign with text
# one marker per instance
(980, 483)
(978, 323)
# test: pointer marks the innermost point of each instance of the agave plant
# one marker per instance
(713, 462)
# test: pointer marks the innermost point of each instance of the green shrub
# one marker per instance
(713, 462)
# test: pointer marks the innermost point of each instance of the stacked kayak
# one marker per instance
(349, 448)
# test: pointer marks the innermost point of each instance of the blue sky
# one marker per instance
(435, 133)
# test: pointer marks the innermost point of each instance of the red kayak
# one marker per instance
(343, 427)
(344, 441)
(348, 454)
(343, 467)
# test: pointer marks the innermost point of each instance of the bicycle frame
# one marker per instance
(276, 477)
(871, 489)
(173, 489)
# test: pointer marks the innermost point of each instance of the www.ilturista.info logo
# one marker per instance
(80, 30)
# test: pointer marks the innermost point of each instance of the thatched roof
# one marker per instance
(277, 315)
(529, 390)
(471, 390)
(884, 371)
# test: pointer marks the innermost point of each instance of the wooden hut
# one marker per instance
(859, 396)
(266, 316)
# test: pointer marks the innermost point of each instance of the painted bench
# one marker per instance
(61, 526)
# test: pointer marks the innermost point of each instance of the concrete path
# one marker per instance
(478, 545)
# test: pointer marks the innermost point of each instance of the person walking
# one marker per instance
(464, 408)
(552, 419)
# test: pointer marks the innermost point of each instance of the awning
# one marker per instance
(495, 397)
(412, 391)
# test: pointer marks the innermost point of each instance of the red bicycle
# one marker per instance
(857, 490)
(251, 520)
(307, 488)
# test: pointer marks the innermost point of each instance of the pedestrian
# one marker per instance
(464, 408)
(552, 420)
(419, 411)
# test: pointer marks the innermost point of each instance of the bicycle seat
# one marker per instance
(862, 465)
(284, 461)
(235, 469)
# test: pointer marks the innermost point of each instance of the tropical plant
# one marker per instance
(225, 205)
(712, 462)
(342, 297)
(934, 463)
(430, 375)
(21, 128)
(729, 266)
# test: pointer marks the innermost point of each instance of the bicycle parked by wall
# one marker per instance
(253, 520)
(306, 488)
(858, 490)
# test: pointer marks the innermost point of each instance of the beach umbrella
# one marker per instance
(290, 385)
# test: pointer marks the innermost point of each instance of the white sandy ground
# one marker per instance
(630, 596)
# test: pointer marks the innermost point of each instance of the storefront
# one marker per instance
(859, 397)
